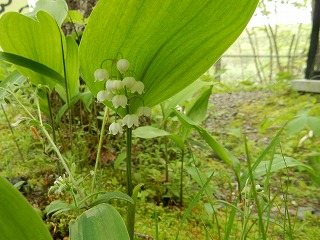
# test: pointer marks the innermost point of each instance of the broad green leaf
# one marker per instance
(314, 124)
(38, 40)
(57, 9)
(15, 78)
(18, 219)
(183, 96)
(58, 206)
(149, 132)
(107, 197)
(279, 163)
(54, 76)
(198, 110)
(74, 16)
(178, 140)
(217, 147)
(5, 69)
(100, 222)
(73, 67)
(297, 124)
(168, 43)
(34, 122)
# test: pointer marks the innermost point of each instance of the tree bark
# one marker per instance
(314, 40)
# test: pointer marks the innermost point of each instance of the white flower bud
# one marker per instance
(104, 95)
(129, 82)
(115, 128)
(119, 100)
(130, 120)
(138, 87)
(145, 111)
(123, 65)
(101, 75)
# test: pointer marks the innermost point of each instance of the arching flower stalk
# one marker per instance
(120, 91)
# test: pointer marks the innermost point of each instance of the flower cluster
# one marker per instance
(61, 184)
(119, 92)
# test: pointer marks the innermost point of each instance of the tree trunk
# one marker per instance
(314, 40)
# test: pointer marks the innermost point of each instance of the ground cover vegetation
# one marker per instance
(212, 161)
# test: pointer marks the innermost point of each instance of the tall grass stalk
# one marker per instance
(287, 217)
(254, 192)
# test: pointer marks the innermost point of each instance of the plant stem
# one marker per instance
(130, 206)
(13, 136)
(105, 117)
(129, 160)
(181, 178)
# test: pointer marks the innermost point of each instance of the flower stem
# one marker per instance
(130, 206)
(105, 117)
(129, 160)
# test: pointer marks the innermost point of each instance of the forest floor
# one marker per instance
(257, 115)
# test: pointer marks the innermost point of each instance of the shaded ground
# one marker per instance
(228, 107)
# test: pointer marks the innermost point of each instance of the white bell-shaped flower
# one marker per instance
(138, 87)
(117, 85)
(130, 120)
(123, 65)
(104, 95)
(101, 75)
(119, 101)
(129, 82)
(114, 85)
(145, 111)
(115, 128)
